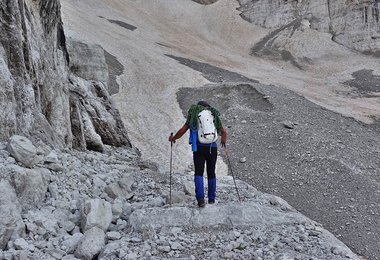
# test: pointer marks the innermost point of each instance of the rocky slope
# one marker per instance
(40, 96)
(86, 205)
(354, 24)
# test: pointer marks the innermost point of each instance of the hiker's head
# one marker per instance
(203, 104)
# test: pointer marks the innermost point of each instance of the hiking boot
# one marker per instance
(211, 201)
(201, 203)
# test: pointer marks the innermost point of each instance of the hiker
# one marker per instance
(205, 125)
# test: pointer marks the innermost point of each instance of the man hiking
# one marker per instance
(205, 125)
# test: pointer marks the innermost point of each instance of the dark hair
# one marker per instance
(203, 104)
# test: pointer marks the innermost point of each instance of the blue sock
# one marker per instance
(212, 189)
(199, 187)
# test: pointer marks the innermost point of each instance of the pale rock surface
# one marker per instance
(38, 96)
(21, 244)
(96, 213)
(10, 213)
(91, 244)
(33, 72)
(70, 243)
(87, 61)
(52, 157)
(30, 185)
(113, 235)
(352, 24)
(23, 150)
(127, 181)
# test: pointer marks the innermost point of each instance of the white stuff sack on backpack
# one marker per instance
(207, 133)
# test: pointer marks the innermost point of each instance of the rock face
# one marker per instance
(39, 94)
(33, 60)
(354, 24)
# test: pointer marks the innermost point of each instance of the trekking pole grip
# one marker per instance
(171, 142)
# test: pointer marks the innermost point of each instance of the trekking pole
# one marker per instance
(170, 178)
(233, 177)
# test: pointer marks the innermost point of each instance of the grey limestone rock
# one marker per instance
(52, 157)
(10, 213)
(70, 243)
(91, 244)
(87, 61)
(95, 121)
(21, 244)
(127, 181)
(354, 24)
(110, 251)
(39, 99)
(113, 235)
(96, 213)
(30, 185)
(23, 150)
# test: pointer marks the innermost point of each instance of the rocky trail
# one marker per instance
(112, 205)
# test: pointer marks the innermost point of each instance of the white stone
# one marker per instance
(189, 188)
(52, 157)
(117, 209)
(71, 243)
(56, 253)
(21, 244)
(23, 150)
(30, 185)
(53, 189)
(10, 213)
(113, 235)
(96, 213)
(114, 191)
(126, 182)
(90, 244)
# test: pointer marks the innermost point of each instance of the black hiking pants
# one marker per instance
(206, 155)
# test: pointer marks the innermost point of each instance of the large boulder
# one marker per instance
(23, 150)
(96, 213)
(11, 223)
(91, 244)
(30, 185)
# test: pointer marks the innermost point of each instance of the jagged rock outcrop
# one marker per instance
(354, 24)
(33, 74)
(94, 119)
(39, 95)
